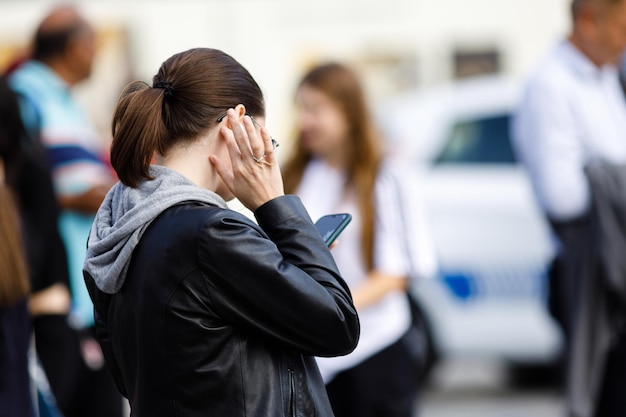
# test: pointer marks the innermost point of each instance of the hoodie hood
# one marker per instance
(125, 214)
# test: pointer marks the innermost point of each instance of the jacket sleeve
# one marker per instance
(279, 279)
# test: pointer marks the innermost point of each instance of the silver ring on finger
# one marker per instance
(259, 160)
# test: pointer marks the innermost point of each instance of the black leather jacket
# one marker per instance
(221, 317)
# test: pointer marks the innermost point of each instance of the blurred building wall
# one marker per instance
(396, 44)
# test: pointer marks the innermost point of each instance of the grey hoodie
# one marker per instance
(125, 214)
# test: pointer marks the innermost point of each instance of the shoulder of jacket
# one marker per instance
(204, 215)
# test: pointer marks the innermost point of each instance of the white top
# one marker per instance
(322, 192)
(572, 112)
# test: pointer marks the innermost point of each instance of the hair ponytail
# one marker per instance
(138, 132)
(190, 91)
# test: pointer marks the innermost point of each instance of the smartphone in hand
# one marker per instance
(331, 226)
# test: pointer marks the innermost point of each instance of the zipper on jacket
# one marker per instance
(292, 393)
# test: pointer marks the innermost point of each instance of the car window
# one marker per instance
(484, 140)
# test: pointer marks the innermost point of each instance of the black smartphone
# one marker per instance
(331, 226)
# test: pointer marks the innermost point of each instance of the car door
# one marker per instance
(493, 247)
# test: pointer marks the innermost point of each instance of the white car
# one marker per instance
(488, 297)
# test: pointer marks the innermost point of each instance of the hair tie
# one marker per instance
(167, 87)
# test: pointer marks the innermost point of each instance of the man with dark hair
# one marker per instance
(63, 53)
(573, 114)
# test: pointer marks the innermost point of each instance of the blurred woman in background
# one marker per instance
(27, 175)
(15, 398)
(338, 166)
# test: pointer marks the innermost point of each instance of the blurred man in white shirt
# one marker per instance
(574, 112)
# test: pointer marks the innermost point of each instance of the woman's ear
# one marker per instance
(240, 109)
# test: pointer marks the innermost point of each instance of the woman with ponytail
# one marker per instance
(199, 310)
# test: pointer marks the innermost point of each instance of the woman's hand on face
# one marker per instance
(254, 175)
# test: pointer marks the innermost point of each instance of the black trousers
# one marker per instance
(612, 400)
(385, 385)
(564, 292)
(78, 390)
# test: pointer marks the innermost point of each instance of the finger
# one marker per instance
(240, 134)
(267, 144)
(255, 142)
(234, 153)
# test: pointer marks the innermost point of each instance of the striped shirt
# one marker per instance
(75, 154)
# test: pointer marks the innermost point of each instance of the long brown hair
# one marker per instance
(189, 93)
(14, 285)
(342, 85)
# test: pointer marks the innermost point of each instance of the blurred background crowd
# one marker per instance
(444, 81)
(396, 45)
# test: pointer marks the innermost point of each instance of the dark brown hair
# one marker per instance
(14, 282)
(576, 5)
(56, 32)
(190, 91)
(14, 285)
(342, 86)
(12, 133)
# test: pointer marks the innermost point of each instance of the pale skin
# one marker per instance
(55, 299)
(221, 160)
(325, 131)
